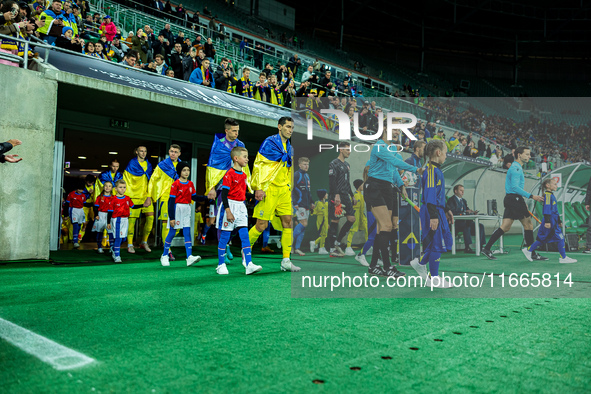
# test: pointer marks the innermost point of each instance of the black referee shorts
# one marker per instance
(515, 207)
(379, 193)
(346, 203)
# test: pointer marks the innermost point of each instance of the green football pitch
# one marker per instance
(167, 329)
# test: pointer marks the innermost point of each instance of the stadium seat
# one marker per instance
(577, 220)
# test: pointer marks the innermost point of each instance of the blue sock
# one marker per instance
(224, 239)
(561, 248)
(434, 263)
(425, 258)
(168, 241)
(205, 230)
(75, 232)
(188, 242)
(99, 239)
(298, 235)
(243, 233)
(372, 234)
(111, 239)
(266, 234)
(117, 248)
(534, 246)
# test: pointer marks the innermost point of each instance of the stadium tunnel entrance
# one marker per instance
(99, 126)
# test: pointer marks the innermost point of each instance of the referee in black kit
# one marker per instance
(340, 198)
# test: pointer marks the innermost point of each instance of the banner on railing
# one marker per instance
(130, 77)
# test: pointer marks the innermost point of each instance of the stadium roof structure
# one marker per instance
(542, 27)
(457, 167)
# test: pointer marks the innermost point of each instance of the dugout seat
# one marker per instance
(576, 219)
(580, 209)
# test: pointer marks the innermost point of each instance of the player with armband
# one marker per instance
(550, 231)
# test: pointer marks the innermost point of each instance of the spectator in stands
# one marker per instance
(294, 63)
(159, 5)
(468, 149)
(268, 71)
(99, 49)
(213, 28)
(497, 158)
(481, 146)
(54, 22)
(348, 78)
(244, 86)
(224, 76)
(176, 60)
(167, 33)
(140, 45)
(130, 59)
(307, 74)
(257, 56)
(201, 57)
(203, 75)
(161, 46)
(209, 50)
(170, 72)
(206, 12)
(289, 95)
(197, 43)
(161, 66)
(181, 12)
(303, 90)
(326, 84)
(67, 41)
(190, 63)
(223, 34)
(119, 49)
(488, 151)
(261, 90)
(168, 8)
(108, 28)
(243, 48)
(89, 49)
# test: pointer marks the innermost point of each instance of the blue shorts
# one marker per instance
(433, 240)
(550, 235)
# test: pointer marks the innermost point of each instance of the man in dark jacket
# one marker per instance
(326, 83)
(224, 76)
(167, 33)
(190, 63)
(458, 206)
(176, 61)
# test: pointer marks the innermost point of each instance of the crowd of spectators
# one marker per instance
(71, 25)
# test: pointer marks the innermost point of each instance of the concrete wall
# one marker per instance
(29, 103)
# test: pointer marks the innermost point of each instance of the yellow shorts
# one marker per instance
(88, 213)
(277, 202)
(163, 209)
(135, 213)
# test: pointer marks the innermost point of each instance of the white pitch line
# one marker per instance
(46, 350)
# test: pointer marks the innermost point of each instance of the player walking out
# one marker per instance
(302, 202)
(340, 200)
(271, 180)
(515, 208)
